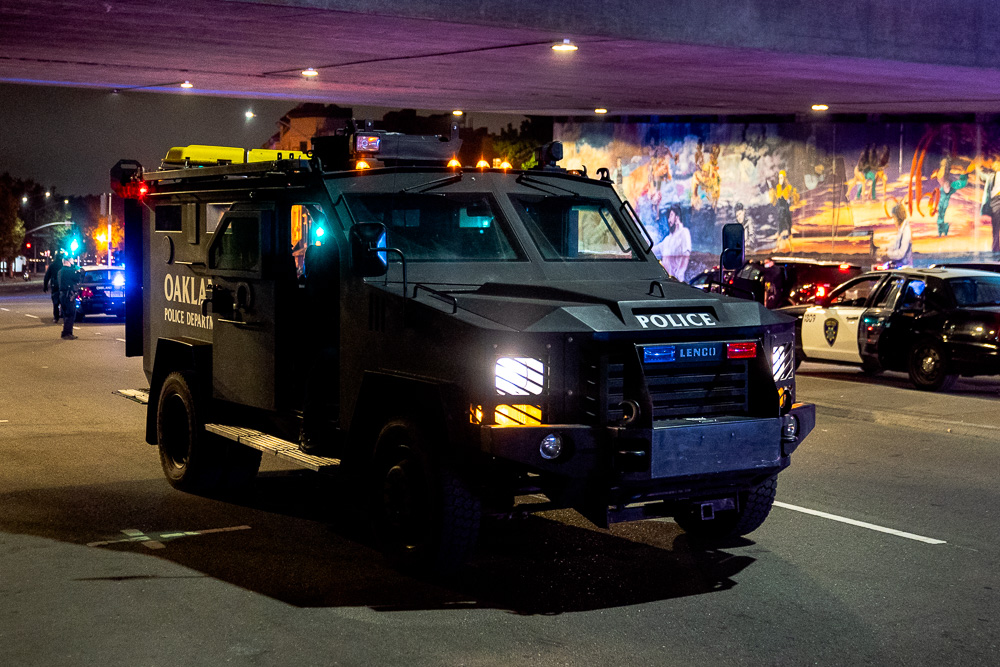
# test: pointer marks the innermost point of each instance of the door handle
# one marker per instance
(853, 319)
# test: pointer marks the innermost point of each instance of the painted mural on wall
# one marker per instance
(866, 193)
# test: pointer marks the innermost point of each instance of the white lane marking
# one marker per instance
(120, 339)
(34, 316)
(4, 421)
(6, 310)
(156, 542)
(861, 524)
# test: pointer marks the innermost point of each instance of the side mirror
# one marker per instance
(367, 238)
(732, 247)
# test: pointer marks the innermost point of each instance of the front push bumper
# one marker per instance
(670, 450)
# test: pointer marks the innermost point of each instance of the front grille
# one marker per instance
(697, 391)
(603, 387)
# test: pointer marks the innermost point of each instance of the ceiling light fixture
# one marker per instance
(309, 71)
(249, 114)
(187, 84)
(457, 112)
(564, 45)
(600, 110)
(820, 107)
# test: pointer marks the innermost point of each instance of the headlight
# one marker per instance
(519, 376)
(782, 362)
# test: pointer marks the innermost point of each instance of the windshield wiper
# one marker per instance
(430, 185)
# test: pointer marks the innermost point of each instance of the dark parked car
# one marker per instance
(934, 324)
(102, 292)
(789, 281)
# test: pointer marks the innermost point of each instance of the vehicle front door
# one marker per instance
(240, 264)
(919, 309)
(830, 331)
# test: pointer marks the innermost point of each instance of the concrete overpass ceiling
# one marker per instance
(641, 57)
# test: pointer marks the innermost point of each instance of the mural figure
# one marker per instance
(659, 165)
(900, 253)
(706, 183)
(745, 219)
(948, 185)
(783, 196)
(869, 172)
(991, 199)
(674, 251)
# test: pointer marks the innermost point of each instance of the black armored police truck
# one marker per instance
(449, 340)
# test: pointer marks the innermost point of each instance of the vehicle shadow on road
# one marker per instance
(977, 387)
(287, 540)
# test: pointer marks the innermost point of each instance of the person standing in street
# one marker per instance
(900, 253)
(68, 281)
(52, 278)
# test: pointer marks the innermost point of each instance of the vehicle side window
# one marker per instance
(307, 228)
(889, 293)
(749, 272)
(913, 295)
(239, 247)
(167, 218)
(854, 294)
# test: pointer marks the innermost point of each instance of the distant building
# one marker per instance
(297, 127)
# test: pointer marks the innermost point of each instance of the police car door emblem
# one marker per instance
(830, 331)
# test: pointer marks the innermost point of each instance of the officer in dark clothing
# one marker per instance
(52, 278)
(68, 281)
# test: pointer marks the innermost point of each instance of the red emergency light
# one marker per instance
(741, 350)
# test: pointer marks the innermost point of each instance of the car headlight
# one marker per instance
(783, 362)
(519, 376)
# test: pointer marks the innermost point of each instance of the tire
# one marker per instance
(928, 367)
(194, 460)
(754, 506)
(425, 515)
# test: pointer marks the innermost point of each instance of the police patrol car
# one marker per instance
(453, 338)
(934, 324)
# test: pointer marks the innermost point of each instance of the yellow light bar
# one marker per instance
(518, 415)
(361, 164)
(482, 164)
(505, 165)
(454, 163)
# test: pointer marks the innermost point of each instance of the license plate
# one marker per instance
(116, 295)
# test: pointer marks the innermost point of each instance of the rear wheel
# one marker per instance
(928, 367)
(425, 514)
(192, 459)
(754, 506)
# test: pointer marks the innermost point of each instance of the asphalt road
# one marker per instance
(103, 563)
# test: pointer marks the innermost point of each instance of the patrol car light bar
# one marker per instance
(367, 143)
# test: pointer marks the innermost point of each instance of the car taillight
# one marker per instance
(820, 291)
(86, 292)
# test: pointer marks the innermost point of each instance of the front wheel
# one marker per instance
(754, 506)
(425, 514)
(928, 367)
(193, 459)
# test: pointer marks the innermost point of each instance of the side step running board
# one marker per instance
(274, 446)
